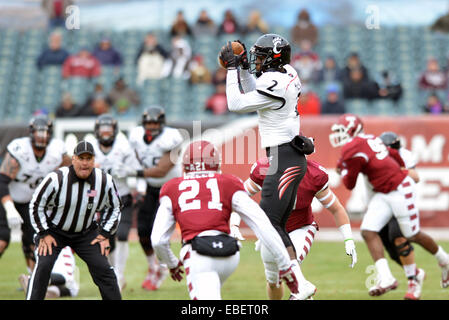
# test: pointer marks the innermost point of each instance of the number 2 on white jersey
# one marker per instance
(191, 194)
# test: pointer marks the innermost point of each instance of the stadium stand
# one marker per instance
(23, 88)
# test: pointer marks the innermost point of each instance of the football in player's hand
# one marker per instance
(236, 47)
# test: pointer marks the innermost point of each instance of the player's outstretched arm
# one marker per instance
(8, 172)
(164, 225)
(330, 201)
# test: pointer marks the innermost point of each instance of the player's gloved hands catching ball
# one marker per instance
(176, 273)
(243, 57)
(350, 251)
(230, 60)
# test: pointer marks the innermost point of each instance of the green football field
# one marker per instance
(326, 267)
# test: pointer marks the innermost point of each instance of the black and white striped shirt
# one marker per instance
(67, 203)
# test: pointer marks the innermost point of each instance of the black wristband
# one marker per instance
(140, 173)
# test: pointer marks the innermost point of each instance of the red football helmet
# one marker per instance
(201, 156)
(348, 126)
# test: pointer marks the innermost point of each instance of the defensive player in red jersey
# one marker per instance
(395, 195)
(301, 224)
(201, 202)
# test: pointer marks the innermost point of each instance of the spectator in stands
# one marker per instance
(229, 24)
(95, 107)
(441, 24)
(98, 91)
(353, 62)
(153, 61)
(219, 76)
(106, 54)
(181, 53)
(151, 43)
(204, 25)
(255, 23)
(67, 107)
(304, 29)
(217, 103)
(358, 87)
(199, 73)
(122, 97)
(180, 27)
(388, 87)
(333, 104)
(330, 72)
(307, 62)
(308, 102)
(54, 54)
(83, 64)
(434, 105)
(56, 11)
(433, 78)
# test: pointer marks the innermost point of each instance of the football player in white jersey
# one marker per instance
(114, 154)
(64, 278)
(27, 161)
(272, 87)
(155, 145)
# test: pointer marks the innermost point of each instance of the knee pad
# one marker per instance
(404, 249)
(271, 268)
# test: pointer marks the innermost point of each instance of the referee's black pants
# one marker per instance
(279, 190)
(101, 271)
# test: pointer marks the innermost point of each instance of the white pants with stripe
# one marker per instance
(400, 203)
(302, 240)
(205, 275)
(65, 266)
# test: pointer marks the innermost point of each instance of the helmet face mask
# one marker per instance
(201, 156)
(41, 131)
(153, 121)
(106, 130)
(347, 127)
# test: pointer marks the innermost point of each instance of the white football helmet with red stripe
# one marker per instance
(347, 127)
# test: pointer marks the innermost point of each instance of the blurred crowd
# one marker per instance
(156, 60)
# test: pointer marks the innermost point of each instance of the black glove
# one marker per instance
(243, 57)
(303, 144)
(227, 55)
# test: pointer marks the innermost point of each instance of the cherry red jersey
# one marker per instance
(314, 180)
(202, 201)
(368, 155)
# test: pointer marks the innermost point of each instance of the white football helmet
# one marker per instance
(348, 126)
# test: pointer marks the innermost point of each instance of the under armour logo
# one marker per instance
(218, 244)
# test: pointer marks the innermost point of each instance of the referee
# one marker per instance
(62, 212)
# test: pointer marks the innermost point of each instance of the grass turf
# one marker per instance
(326, 266)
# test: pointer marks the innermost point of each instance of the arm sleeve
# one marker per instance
(351, 171)
(396, 156)
(111, 218)
(163, 227)
(247, 81)
(258, 221)
(37, 207)
(247, 102)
